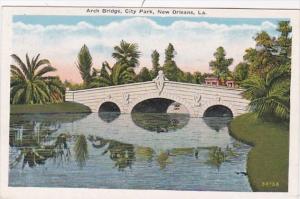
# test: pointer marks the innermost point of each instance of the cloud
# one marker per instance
(195, 42)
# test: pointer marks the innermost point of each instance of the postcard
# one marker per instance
(126, 102)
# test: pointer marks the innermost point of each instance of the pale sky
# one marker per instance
(59, 38)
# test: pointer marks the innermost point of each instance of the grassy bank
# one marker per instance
(66, 107)
(267, 163)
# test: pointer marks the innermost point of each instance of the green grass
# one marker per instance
(66, 107)
(268, 161)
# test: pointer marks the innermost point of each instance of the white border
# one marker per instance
(11, 192)
(278, 4)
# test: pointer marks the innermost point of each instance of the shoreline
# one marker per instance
(64, 107)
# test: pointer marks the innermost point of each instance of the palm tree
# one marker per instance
(110, 76)
(84, 65)
(270, 95)
(127, 54)
(29, 83)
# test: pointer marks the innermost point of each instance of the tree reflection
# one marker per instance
(81, 150)
(122, 154)
(160, 122)
(144, 153)
(37, 155)
(28, 130)
(217, 156)
(163, 159)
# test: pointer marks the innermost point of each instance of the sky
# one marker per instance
(59, 38)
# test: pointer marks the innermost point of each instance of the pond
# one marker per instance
(126, 151)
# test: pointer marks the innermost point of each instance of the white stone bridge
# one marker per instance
(196, 98)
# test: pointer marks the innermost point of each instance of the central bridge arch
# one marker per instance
(168, 97)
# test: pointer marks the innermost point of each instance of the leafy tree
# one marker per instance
(84, 65)
(30, 84)
(73, 86)
(241, 72)
(268, 85)
(220, 64)
(187, 77)
(170, 68)
(127, 54)
(198, 78)
(155, 63)
(116, 75)
(284, 41)
(263, 57)
(169, 53)
(144, 75)
(270, 94)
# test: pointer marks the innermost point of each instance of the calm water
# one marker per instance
(140, 151)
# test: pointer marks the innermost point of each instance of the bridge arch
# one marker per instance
(110, 102)
(162, 96)
(223, 105)
(109, 106)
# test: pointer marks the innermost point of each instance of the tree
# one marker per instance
(241, 72)
(84, 65)
(198, 78)
(270, 95)
(29, 83)
(144, 75)
(268, 85)
(284, 41)
(169, 53)
(110, 76)
(220, 64)
(155, 63)
(73, 86)
(170, 68)
(263, 57)
(187, 77)
(127, 54)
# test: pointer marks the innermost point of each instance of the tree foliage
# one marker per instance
(110, 76)
(268, 86)
(144, 75)
(241, 72)
(170, 68)
(127, 54)
(30, 83)
(270, 94)
(84, 65)
(155, 63)
(220, 65)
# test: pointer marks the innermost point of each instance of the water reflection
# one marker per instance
(217, 123)
(122, 154)
(32, 140)
(38, 154)
(136, 145)
(160, 122)
(81, 150)
(108, 117)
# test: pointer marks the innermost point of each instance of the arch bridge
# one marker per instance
(196, 98)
